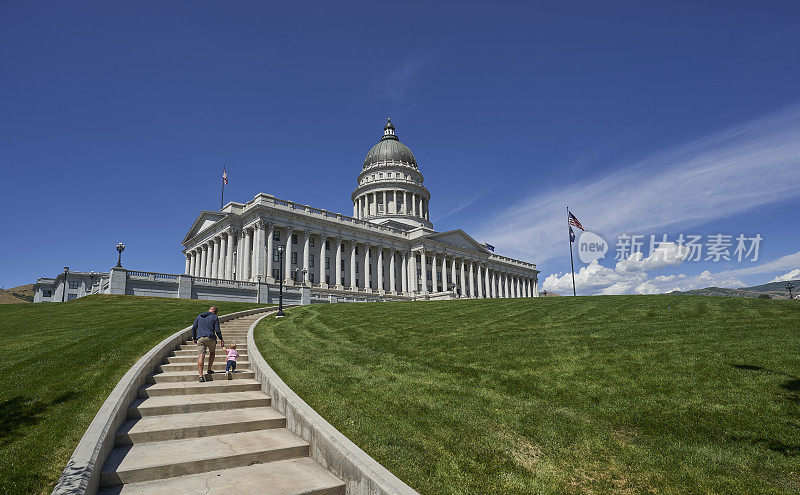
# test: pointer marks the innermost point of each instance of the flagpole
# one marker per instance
(571, 263)
(222, 196)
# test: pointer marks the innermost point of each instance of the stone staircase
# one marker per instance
(220, 436)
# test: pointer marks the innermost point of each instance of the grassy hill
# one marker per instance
(614, 394)
(62, 361)
(776, 290)
(16, 295)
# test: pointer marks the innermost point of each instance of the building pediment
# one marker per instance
(205, 220)
(458, 238)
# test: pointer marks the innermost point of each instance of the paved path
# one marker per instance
(217, 437)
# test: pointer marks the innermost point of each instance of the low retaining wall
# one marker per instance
(82, 474)
(362, 474)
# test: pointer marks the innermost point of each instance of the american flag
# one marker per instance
(574, 221)
(224, 177)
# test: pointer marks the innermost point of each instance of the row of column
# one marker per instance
(402, 203)
(471, 279)
(219, 258)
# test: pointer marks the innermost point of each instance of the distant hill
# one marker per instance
(16, 295)
(775, 290)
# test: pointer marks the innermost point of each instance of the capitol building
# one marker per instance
(388, 247)
(387, 251)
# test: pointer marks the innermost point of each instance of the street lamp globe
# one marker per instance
(120, 249)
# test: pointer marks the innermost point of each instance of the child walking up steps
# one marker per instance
(230, 361)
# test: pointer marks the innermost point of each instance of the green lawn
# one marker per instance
(623, 394)
(62, 361)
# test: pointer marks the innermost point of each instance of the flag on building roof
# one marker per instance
(574, 221)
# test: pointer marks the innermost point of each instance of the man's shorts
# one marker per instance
(204, 343)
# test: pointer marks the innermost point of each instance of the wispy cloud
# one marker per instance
(730, 172)
(790, 275)
(395, 85)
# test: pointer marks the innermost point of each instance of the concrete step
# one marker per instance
(300, 476)
(217, 384)
(196, 425)
(171, 458)
(179, 404)
(176, 377)
(219, 365)
(191, 357)
(191, 346)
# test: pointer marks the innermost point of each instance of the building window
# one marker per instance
(294, 238)
(356, 252)
(310, 260)
(276, 236)
(275, 273)
(389, 175)
(327, 279)
(47, 293)
(73, 284)
(356, 266)
(311, 242)
(327, 245)
(276, 257)
(311, 277)
(380, 207)
(72, 297)
(294, 258)
(380, 175)
(328, 261)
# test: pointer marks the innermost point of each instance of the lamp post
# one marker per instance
(258, 289)
(280, 291)
(120, 249)
(64, 290)
(544, 293)
(789, 287)
(305, 274)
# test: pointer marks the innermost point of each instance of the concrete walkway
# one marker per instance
(216, 437)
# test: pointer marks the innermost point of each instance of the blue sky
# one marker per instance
(681, 117)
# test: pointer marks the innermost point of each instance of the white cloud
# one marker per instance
(790, 275)
(631, 276)
(727, 173)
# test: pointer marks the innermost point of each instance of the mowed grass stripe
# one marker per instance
(61, 362)
(675, 394)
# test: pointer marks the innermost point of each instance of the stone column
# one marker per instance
(444, 272)
(434, 282)
(322, 261)
(454, 273)
(353, 286)
(259, 252)
(187, 264)
(472, 279)
(392, 281)
(479, 279)
(507, 278)
(385, 202)
(193, 263)
(536, 285)
(423, 271)
(367, 271)
(205, 260)
(338, 264)
(413, 278)
(306, 253)
(404, 272)
(270, 253)
(287, 269)
(214, 261)
(493, 283)
(516, 287)
(223, 255)
(379, 267)
(247, 273)
(239, 249)
(463, 279)
(229, 255)
(487, 285)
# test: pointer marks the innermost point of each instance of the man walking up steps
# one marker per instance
(204, 333)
